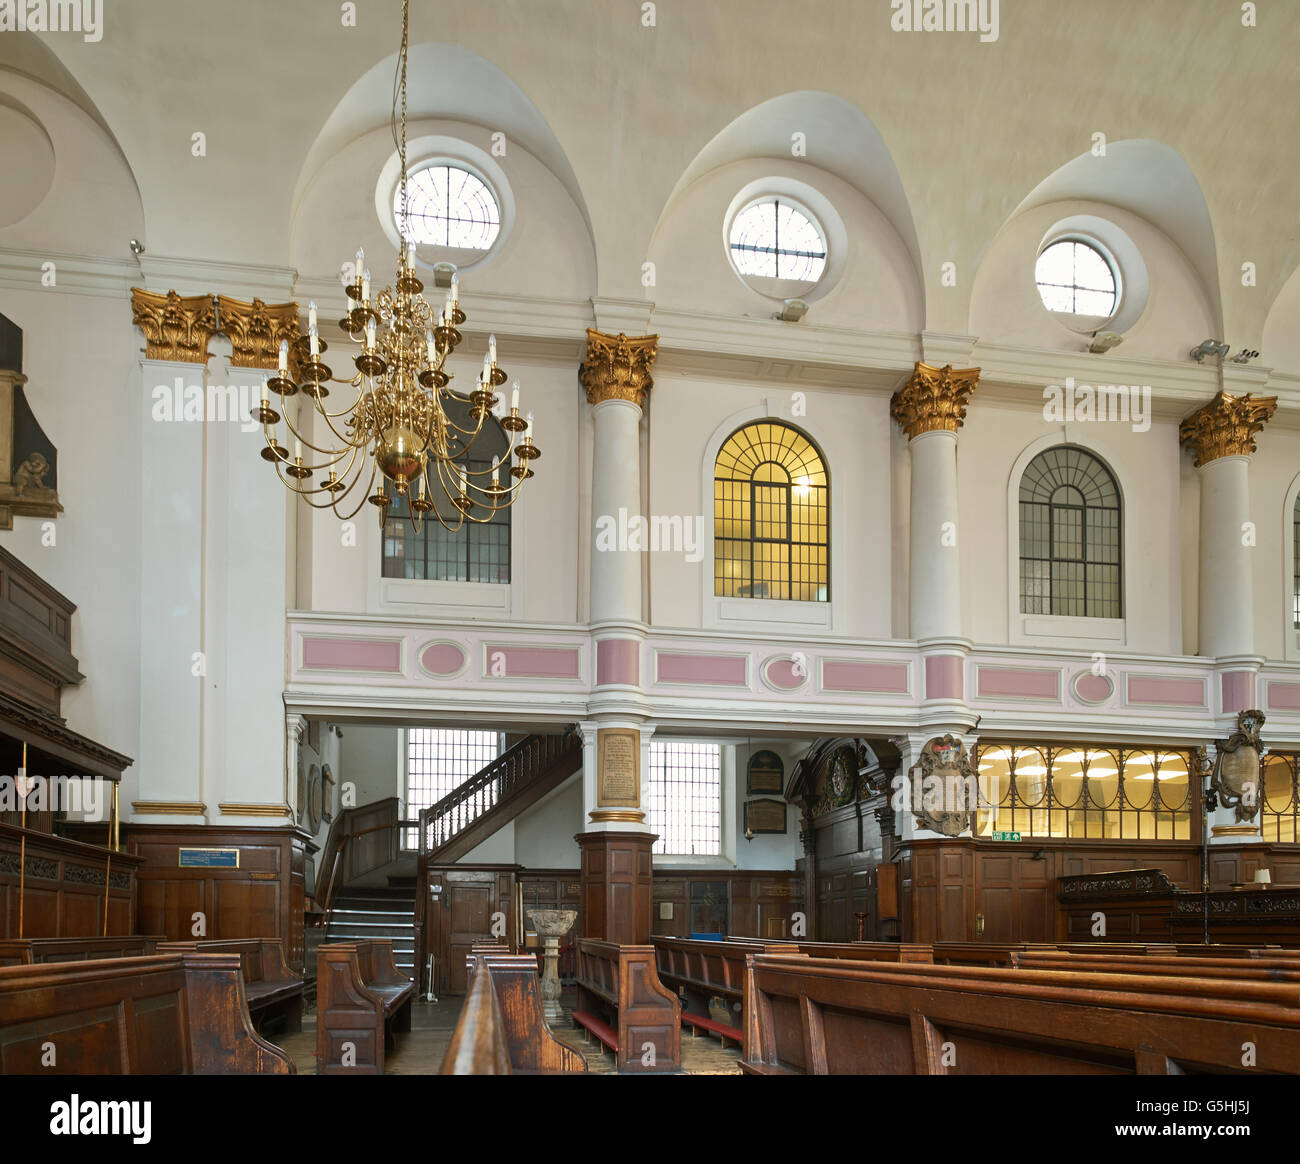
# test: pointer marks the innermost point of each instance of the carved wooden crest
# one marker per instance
(945, 787)
(1236, 778)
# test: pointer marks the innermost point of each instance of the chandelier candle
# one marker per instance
(402, 423)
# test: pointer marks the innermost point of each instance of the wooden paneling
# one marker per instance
(469, 900)
(65, 887)
(754, 903)
(616, 886)
(263, 898)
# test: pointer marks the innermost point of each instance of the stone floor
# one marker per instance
(421, 1052)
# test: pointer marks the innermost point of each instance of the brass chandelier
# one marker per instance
(413, 431)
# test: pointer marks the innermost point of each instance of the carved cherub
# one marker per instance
(29, 477)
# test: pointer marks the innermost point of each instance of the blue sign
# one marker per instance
(209, 859)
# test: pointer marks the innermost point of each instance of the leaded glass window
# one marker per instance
(1070, 536)
(771, 516)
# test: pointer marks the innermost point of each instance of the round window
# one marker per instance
(448, 208)
(1076, 279)
(777, 247)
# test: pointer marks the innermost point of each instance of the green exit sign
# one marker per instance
(1006, 836)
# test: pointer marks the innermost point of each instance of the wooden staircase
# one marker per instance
(514, 781)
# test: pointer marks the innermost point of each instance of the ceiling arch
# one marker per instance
(834, 135)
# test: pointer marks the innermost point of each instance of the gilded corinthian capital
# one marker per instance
(174, 328)
(617, 367)
(1226, 427)
(256, 329)
(934, 399)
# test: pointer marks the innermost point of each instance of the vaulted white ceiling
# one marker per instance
(622, 113)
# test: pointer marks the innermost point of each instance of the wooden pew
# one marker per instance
(34, 951)
(819, 1016)
(869, 951)
(478, 1044)
(532, 1048)
(362, 1001)
(703, 970)
(168, 1014)
(622, 1002)
(1001, 953)
(1237, 969)
(272, 989)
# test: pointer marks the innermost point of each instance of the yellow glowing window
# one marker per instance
(1086, 792)
(771, 516)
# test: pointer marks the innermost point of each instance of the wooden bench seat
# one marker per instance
(622, 1002)
(272, 989)
(362, 1002)
(35, 951)
(821, 1016)
(869, 951)
(182, 1013)
(532, 1048)
(1237, 969)
(701, 970)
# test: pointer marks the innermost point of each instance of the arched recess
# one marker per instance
(74, 193)
(1148, 204)
(1290, 598)
(823, 151)
(463, 107)
(770, 613)
(1029, 629)
(1280, 348)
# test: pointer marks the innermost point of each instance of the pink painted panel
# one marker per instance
(943, 677)
(442, 659)
(618, 661)
(782, 674)
(724, 670)
(1093, 688)
(1180, 692)
(1284, 696)
(841, 675)
(1018, 683)
(322, 653)
(1238, 690)
(533, 662)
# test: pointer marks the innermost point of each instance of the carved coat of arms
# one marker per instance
(945, 788)
(1237, 775)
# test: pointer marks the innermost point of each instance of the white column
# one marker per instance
(172, 459)
(616, 499)
(935, 569)
(247, 566)
(1226, 612)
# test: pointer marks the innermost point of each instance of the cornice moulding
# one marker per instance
(74, 274)
(212, 277)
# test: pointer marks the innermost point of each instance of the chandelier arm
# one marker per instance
(333, 455)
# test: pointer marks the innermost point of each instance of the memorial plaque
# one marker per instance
(765, 816)
(618, 767)
(765, 773)
(208, 859)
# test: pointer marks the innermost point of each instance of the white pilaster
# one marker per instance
(1226, 612)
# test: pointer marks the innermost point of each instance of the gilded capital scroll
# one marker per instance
(256, 329)
(617, 367)
(1226, 427)
(934, 399)
(175, 328)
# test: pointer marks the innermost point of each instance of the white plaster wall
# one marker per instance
(1006, 308)
(1273, 471)
(852, 431)
(337, 572)
(547, 253)
(878, 289)
(766, 850)
(1146, 466)
(370, 757)
(544, 834)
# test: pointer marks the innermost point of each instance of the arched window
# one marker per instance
(1295, 564)
(1070, 536)
(771, 516)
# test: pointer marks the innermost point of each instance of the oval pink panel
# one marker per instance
(442, 658)
(784, 675)
(1093, 688)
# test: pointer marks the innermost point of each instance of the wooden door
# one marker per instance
(473, 906)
